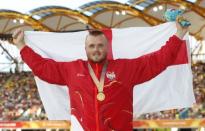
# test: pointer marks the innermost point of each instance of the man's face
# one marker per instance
(96, 48)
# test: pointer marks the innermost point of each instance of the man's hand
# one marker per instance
(18, 38)
(181, 31)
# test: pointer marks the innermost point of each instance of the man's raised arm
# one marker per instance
(149, 66)
(46, 69)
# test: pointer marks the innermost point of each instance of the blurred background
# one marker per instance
(19, 99)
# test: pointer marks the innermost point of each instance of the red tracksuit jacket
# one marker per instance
(116, 111)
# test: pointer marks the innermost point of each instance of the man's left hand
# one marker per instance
(181, 31)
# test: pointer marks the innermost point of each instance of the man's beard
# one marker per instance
(97, 59)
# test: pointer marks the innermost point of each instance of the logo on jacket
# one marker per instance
(110, 75)
(80, 74)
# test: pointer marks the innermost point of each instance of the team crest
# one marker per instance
(110, 75)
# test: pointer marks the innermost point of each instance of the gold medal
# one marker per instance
(101, 96)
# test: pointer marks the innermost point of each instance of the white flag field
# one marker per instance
(172, 89)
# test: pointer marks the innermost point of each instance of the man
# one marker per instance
(101, 90)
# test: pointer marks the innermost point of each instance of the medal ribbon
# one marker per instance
(99, 84)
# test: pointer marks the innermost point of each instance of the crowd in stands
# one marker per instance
(20, 99)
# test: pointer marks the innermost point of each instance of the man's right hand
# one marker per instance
(18, 38)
